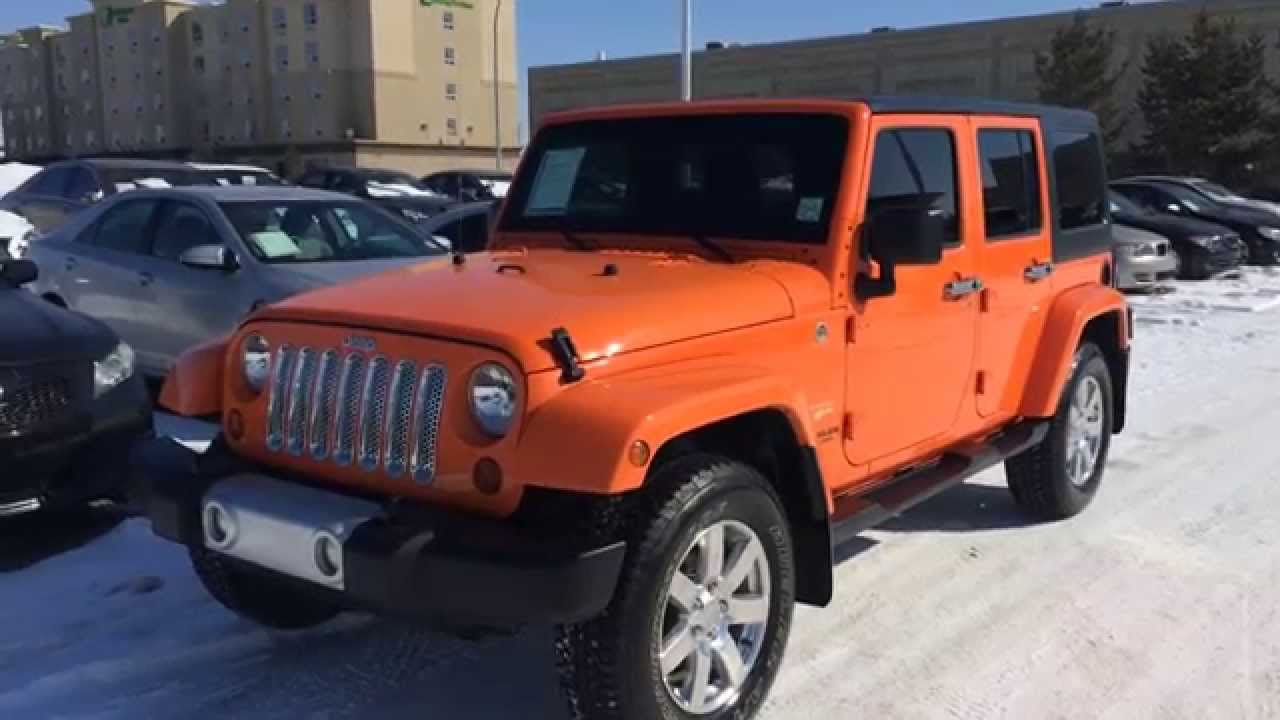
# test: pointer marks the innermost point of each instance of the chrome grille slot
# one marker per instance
(373, 404)
(322, 405)
(348, 405)
(276, 401)
(399, 418)
(300, 392)
(426, 430)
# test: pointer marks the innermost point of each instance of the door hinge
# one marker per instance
(984, 300)
(848, 426)
(980, 383)
(850, 329)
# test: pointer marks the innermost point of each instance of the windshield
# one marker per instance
(1193, 200)
(319, 231)
(117, 180)
(769, 177)
(1122, 204)
(390, 177)
(242, 177)
(1217, 192)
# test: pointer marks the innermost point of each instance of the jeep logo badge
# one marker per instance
(364, 343)
(822, 333)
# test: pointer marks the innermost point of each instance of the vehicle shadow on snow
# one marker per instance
(28, 540)
(964, 508)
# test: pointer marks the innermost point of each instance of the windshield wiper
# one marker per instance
(710, 246)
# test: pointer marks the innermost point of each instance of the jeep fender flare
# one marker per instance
(580, 440)
(194, 387)
(1065, 327)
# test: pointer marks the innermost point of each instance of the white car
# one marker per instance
(16, 234)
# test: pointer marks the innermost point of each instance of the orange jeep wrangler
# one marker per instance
(708, 343)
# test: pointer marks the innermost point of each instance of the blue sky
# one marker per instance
(564, 31)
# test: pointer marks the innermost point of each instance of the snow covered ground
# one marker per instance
(1163, 600)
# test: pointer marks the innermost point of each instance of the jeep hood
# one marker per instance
(609, 302)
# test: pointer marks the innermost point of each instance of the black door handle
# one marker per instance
(960, 289)
(1037, 271)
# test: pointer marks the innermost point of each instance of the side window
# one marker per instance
(51, 182)
(124, 227)
(312, 180)
(916, 168)
(1079, 173)
(1010, 182)
(181, 227)
(453, 233)
(83, 187)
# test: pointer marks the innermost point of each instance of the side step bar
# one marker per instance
(855, 513)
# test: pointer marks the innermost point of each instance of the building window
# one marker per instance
(70, 138)
(137, 109)
(66, 111)
(280, 20)
(111, 49)
(316, 92)
(84, 76)
(133, 41)
(111, 81)
(451, 126)
(450, 57)
(197, 34)
(206, 131)
(90, 138)
(451, 91)
(39, 112)
(88, 107)
(448, 19)
(84, 50)
(198, 64)
(313, 53)
(62, 82)
(157, 102)
(160, 135)
(155, 37)
(246, 58)
(286, 129)
(244, 27)
(282, 58)
(224, 28)
(137, 77)
(311, 15)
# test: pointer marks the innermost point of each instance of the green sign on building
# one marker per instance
(118, 16)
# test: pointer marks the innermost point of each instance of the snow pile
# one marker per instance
(14, 174)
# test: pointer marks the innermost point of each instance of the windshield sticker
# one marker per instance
(153, 183)
(553, 186)
(125, 187)
(275, 244)
(810, 209)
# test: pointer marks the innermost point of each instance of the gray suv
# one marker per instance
(171, 269)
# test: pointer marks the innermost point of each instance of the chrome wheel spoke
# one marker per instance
(712, 561)
(677, 646)
(699, 682)
(744, 560)
(748, 610)
(683, 592)
(730, 661)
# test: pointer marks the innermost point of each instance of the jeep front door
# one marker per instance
(910, 355)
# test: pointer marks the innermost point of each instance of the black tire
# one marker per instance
(265, 599)
(608, 666)
(1038, 478)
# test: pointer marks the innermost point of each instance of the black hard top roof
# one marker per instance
(974, 106)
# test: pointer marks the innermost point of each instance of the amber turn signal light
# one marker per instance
(487, 476)
(639, 453)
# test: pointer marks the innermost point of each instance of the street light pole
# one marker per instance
(497, 88)
(686, 53)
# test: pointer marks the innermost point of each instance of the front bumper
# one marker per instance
(79, 458)
(411, 561)
(1145, 272)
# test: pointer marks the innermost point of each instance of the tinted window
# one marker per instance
(1169, 193)
(118, 180)
(51, 182)
(83, 187)
(916, 169)
(754, 177)
(1078, 170)
(181, 227)
(1010, 182)
(124, 227)
(311, 231)
(1122, 204)
(475, 233)
(312, 179)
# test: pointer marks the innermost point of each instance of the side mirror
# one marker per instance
(18, 272)
(899, 236)
(210, 257)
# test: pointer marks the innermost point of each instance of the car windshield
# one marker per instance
(321, 231)
(769, 177)
(1217, 192)
(1122, 204)
(242, 177)
(117, 180)
(1193, 200)
(390, 177)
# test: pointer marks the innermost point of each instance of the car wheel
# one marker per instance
(700, 619)
(261, 597)
(1058, 478)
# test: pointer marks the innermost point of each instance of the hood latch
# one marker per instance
(566, 355)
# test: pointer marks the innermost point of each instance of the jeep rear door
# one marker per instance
(1015, 257)
(910, 361)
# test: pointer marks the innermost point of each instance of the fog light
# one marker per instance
(219, 527)
(487, 476)
(328, 556)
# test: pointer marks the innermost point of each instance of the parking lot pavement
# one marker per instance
(1161, 601)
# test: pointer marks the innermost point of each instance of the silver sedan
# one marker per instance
(170, 269)
(1144, 260)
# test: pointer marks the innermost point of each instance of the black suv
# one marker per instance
(71, 406)
(396, 192)
(53, 195)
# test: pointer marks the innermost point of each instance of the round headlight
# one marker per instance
(256, 362)
(493, 398)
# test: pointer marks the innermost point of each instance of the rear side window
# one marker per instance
(83, 186)
(181, 228)
(52, 182)
(1080, 177)
(916, 168)
(124, 227)
(1010, 182)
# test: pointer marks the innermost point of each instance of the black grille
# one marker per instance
(34, 403)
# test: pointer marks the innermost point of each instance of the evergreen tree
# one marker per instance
(1078, 72)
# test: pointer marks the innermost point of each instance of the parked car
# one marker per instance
(464, 229)
(470, 185)
(1203, 249)
(71, 407)
(237, 175)
(1144, 260)
(62, 190)
(1259, 229)
(1212, 191)
(170, 269)
(16, 235)
(652, 410)
(394, 191)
